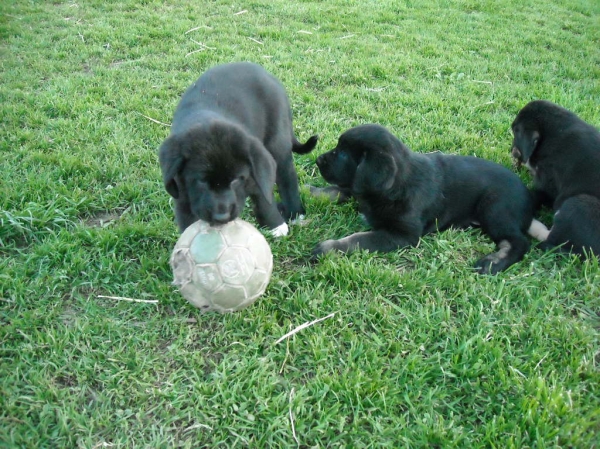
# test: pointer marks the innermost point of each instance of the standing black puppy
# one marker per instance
(562, 153)
(231, 138)
(405, 195)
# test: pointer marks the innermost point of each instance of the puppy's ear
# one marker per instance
(170, 156)
(375, 173)
(264, 168)
(527, 143)
(526, 136)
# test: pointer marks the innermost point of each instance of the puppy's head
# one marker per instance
(367, 159)
(539, 120)
(526, 129)
(214, 168)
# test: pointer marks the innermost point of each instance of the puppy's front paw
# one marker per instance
(290, 216)
(325, 247)
(280, 231)
(485, 266)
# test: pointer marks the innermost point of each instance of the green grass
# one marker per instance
(421, 352)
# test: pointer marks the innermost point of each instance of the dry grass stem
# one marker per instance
(153, 120)
(121, 298)
(197, 28)
(197, 426)
(254, 40)
(203, 45)
(292, 418)
(195, 51)
(303, 326)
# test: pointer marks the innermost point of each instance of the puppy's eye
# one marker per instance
(535, 141)
(239, 180)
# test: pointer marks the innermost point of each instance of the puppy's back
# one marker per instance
(469, 180)
(242, 92)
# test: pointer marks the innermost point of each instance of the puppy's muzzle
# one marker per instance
(321, 162)
(324, 164)
(224, 214)
(516, 153)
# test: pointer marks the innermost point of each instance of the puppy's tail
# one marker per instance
(305, 148)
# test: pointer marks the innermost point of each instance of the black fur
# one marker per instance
(405, 195)
(563, 154)
(231, 138)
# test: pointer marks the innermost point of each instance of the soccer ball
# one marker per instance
(223, 268)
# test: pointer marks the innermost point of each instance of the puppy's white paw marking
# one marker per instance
(538, 230)
(280, 231)
(504, 248)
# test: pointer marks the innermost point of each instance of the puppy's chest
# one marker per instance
(545, 175)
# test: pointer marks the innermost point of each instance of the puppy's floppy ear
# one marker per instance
(170, 156)
(263, 167)
(526, 132)
(527, 143)
(376, 172)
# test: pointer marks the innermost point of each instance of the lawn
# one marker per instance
(415, 349)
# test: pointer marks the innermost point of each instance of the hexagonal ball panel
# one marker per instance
(185, 239)
(239, 233)
(229, 298)
(207, 277)
(197, 297)
(236, 265)
(207, 247)
(257, 283)
(260, 249)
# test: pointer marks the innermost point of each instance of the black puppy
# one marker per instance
(404, 195)
(563, 154)
(231, 138)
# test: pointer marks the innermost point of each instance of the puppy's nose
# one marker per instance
(321, 161)
(516, 153)
(221, 218)
(225, 215)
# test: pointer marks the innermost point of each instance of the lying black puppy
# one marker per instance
(563, 154)
(231, 138)
(405, 195)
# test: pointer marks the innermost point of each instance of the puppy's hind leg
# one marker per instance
(506, 229)
(507, 253)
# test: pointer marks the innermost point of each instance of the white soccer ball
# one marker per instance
(223, 268)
